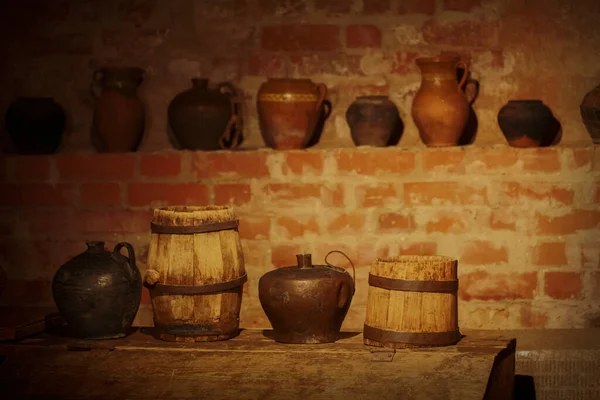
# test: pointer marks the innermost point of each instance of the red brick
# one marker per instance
(160, 165)
(361, 254)
(376, 195)
(37, 194)
(451, 162)
(550, 253)
(96, 167)
(590, 254)
(404, 62)
(503, 220)
(307, 37)
(461, 5)
(283, 8)
(395, 222)
(291, 191)
(482, 285)
(579, 158)
(334, 6)
(595, 281)
(100, 194)
(563, 285)
(362, 36)
(347, 223)
(375, 162)
(24, 293)
(540, 159)
(439, 193)
(447, 223)
(284, 255)
(418, 249)
(112, 222)
(34, 168)
(576, 220)
(326, 63)
(597, 197)
(417, 7)
(164, 194)
(332, 195)
(44, 222)
(491, 159)
(254, 228)
(461, 33)
(517, 192)
(272, 66)
(233, 193)
(293, 227)
(531, 318)
(230, 164)
(477, 252)
(303, 163)
(371, 7)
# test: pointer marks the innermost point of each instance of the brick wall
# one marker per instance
(524, 224)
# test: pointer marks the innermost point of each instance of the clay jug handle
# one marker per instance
(462, 64)
(130, 254)
(322, 91)
(95, 87)
(347, 258)
(235, 101)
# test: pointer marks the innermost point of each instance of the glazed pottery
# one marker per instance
(98, 292)
(440, 109)
(525, 123)
(306, 303)
(118, 114)
(590, 113)
(288, 111)
(372, 120)
(206, 117)
(35, 125)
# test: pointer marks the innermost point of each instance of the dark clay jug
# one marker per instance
(98, 292)
(590, 113)
(525, 123)
(306, 303)
(372, 120)
(206, 117)
(35, 125)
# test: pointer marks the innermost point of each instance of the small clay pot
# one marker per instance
(525, 123)
(372, 120)
(590, 113)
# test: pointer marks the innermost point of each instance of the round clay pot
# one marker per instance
(288, 111)
(98, 292)
(590, 113)
(35, 125)
(118, 114)
(525, 123)
(440, 109)
(372, 120)
(206, 117)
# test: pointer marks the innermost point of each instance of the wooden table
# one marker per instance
(252, 366)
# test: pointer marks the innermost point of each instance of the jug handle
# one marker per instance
(226, 87)
(322, 90)
(347, 258)
(95, 85)
(343, 293)
(463, 65)
(130, 255)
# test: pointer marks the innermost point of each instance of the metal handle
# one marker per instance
(130, 255)
(347, 258)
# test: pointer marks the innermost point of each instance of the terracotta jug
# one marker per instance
(98, 292)
(306, 303)
(590, 113)
(207, 117)
(118, 114)
(440, 109)
(35, 125)
(525, 123)
(288, 111)
(372, 120)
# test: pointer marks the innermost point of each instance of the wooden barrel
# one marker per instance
(412, 302)
(195, 273)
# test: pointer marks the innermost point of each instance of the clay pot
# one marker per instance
(440, 109)
(372, 120)
(35, 125)
(206, 117)
(98, 292)
(306, 303)
(525, 123)
(590, 113)
(288, 111)
(118, 114)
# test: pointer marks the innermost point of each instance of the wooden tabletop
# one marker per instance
(253, 366)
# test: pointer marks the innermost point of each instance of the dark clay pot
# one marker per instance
(306, 303)
(590, 113)
(207, 117)
(372, 120)
(525, 123)
(98, 292)
(35, 125)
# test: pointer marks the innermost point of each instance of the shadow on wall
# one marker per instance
(524, 387)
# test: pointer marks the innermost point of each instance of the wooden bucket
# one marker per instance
(195, 273)
(412, 302)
